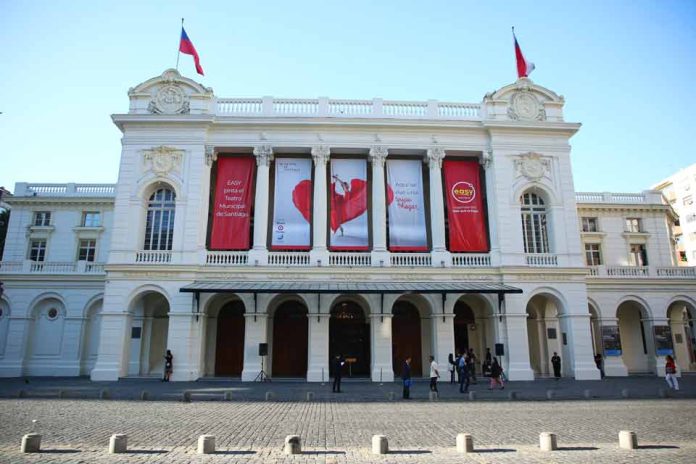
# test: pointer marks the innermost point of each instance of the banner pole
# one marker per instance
(178, 53)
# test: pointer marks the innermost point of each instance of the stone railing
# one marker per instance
(153, 257)
(411, 259)
(541, 259)
(226, 258)
(676, 272)
(24, 189)
(471, 260)
(51, 267)
(350, 259)
(330, 108)
(627, 271)
(646, 197)
(632, 272)
(288, 258)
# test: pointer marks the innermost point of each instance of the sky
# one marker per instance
(627, 70)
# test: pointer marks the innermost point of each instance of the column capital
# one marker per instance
(263, 154)
(210, 155)
(378, 154)
(434, 157)
(486, 158)
(320, 154)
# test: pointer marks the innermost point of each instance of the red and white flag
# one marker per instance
(524, 67)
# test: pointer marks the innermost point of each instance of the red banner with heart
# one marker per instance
(234, 185)
(348, 205)
(465, 207)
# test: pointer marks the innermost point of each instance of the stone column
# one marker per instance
(380, 255)
(613, 365)
(318, 343)
(185, 337)
(255, 332)
(71, 346)
(440, 256)
(580, 349)
(319, 254)
(657, 361)
(114, 345)
(258, 255)
(512, 332)
(381, 334)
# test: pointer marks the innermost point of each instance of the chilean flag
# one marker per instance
(524, 67)
(186, 46)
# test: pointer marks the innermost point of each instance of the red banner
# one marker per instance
(467, 219)
(234, 185)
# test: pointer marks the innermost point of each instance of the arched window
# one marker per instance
(534, 224)
(159, 225)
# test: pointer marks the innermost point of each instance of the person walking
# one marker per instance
(434, 374)
(496, 372)
(471, 365)
(463, 371)
(406, 378)
(556, 363)
(670, 373)
(452, 366)
(457, 362)
(599, 361)
(168, 366)
(337, 366)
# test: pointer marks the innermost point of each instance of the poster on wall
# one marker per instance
(348, 205)
(611, 340)
(406, 206)
(292, 204)
(232, 203)
(663, 340)
(465, 208)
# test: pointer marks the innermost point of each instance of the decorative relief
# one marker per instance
(210, 155)
(434, 157)
(163, 160)
(525, 106)
(320, 154)
(533, 166)
(263, 154)
(378, 155)
(169, 99)
(486, 158)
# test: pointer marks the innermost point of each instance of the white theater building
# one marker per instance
(371, 228)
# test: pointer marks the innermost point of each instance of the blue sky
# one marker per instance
(626, 68)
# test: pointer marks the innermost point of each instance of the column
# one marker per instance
(613, 364)
(71, 347)
(443, 334)
(258, 255)
(512, 333)
(381, 335)
(255, 332)
(319, 255)
(380, 255)
(580, 349)
(318, 343)
(440, 256)
(185, 337)
(114, 337)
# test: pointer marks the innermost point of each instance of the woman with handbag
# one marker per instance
(670, 373)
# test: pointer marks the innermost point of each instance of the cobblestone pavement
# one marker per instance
(340, 432)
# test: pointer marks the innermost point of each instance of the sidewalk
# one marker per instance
(353, 390)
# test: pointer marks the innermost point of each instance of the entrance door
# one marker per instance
(349, 335)
(290, 330)
(406, 338)
(229, 344)
(463, 317)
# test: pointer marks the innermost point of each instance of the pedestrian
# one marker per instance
(486, 367)
(463, 371)
(599, 361)
(452, 366)
(406, 378)
(434, 374)
(670, 373)
(457, 362)
(337, 366)
(556, 363)
(168, 366)
(496, 372)
(471, 358)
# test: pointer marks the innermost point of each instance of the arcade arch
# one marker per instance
(47, 320)
(636, 346)
(149, 334)
(289, 327)
(349, 336)
(90, 338)
(225, 333)
(681, 314)
(473, 327)
(545, 333)
(411, 334)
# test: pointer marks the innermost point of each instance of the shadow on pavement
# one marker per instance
(233, 452)
(577, 448)
(59, 451)
(495, 450)
(658, 447)
(137, 451)
(324, 452)
(409, 452)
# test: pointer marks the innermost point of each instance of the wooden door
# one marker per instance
(229, 345)
(290, 331)
(406, 338)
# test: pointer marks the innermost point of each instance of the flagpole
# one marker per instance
(178, 53)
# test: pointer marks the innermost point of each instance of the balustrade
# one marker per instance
(541, 260)
(153, 257)
(410, 259)
(227, 258)
(288, 258)
(350, 259)
(471, 260)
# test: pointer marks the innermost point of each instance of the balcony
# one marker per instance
(51, 267)
(541, 260)
(632, 272)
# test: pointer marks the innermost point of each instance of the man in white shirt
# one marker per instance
(434, 374)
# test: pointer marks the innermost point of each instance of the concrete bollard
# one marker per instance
(310, 396)
(472, 396)
(390, 396)
(550, 394)
(228, 396)
(433, 396)
(292, 445)
(465, 443)
(186, 397)
(547, 441)
(628, 440)
(118, 443)
(662, 393)
(144, 395)
(206, 444)
(625, 393)
(380, 445)
(104, 394)
(31, 443)
(512, 395)
(269, 396)
(587, 394)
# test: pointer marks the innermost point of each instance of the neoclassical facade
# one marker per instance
(305, 228)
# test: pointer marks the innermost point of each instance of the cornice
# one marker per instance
(38, 200)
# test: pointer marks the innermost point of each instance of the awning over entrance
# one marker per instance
(348, 287)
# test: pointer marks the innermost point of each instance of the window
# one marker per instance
(688, 200)
(91, 219)
(589, 224)
(37, 252)
(534, 225)
(159, 224)
(87, 250)
(682, 256)
(593, 255)
(42, 218)
(638, 256)
(634, 225)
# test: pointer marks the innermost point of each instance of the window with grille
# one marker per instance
(159, 224)
(593, 254)
(87, 250)
(534, 224)
(42, 218)
(37, 251)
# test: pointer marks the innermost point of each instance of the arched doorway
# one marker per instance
(463, 321)
(290, 330)
(406, 337)
(545, 335)
(681, 321)
(349, 335)
(635, 339)
(229, 340)
(90, 345)
(149, 335)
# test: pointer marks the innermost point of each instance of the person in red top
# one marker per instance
(670, 373)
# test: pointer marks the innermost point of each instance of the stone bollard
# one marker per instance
(550, 394)
(228, 396)
(380, 445)
(186, 397)
(628, 440)
(512, 395)
(269, 396)
(587, 394)
(472, 396)
(547, 441)
(625, 393)
(292, 445)
(144, 395)
(310, 396)
(662, 393)
(433, 396)
(118, 443)
(31, 443)
(465, 443)
(390, 396)
(104, 394)
(206, 444)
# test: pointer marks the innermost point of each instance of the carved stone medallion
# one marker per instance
(525, 106)
(170, 99)
(163, 159)
(532, 166)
